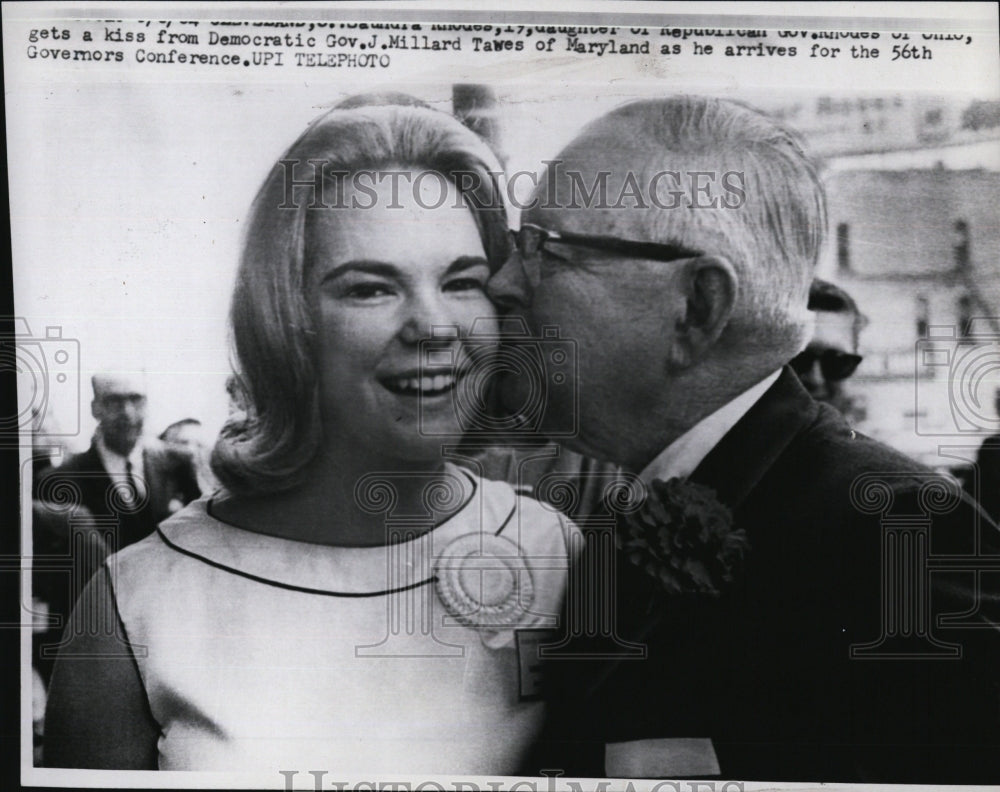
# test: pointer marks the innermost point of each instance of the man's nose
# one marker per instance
(508, 287)
(133, 409)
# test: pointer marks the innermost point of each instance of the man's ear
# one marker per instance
(709, 287)
(95, 409)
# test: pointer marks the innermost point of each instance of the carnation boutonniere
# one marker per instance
(683, 537)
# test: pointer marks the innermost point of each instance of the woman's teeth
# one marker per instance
(422, 385)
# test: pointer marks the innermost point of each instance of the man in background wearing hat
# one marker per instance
(121, 475)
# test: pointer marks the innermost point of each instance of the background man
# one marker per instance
(832, 353)
(683, 319)
(188, 437)
(121, 475)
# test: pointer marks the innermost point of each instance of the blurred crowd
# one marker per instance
(89, 505)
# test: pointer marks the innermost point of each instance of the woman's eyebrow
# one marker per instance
(466, 262)
(387, 270)
(368, 266)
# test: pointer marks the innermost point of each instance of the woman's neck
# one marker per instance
(345, 501)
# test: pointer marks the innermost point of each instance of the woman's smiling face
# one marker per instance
(380, 279)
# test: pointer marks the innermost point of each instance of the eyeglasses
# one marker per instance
(532, 239)
(834, 364)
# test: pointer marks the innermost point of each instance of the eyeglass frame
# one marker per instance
(629, 248)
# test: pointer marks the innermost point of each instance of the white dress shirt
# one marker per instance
(681, 457)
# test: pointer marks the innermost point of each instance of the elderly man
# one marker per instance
(674, 241)
(122, 476)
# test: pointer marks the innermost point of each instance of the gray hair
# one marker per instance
(773, 238)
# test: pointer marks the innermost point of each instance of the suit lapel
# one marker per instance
(101, 484)
(733, 468)
(93, 461)
(742, 458)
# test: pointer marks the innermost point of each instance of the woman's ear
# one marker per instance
(709, 285)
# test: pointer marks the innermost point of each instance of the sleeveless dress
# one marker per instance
(263, 653)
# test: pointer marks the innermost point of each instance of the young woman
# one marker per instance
(350, 601)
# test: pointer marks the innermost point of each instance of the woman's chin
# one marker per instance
(424, 442)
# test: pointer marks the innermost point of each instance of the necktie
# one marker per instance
(133, 491)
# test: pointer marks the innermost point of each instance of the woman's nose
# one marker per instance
(424, 313)
(509, 287)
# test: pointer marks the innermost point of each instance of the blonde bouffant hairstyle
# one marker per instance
(267, 444)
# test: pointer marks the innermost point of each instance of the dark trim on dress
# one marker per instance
(509, 517)
(289, 586)
(322, 592)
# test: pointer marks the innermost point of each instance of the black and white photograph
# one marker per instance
(566, 396)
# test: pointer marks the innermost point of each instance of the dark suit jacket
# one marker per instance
(169, 477)
(826, 661)
(67, 549)
(988, 463)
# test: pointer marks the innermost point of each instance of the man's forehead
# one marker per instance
(127, 385)
(591, 187)
(578, 203)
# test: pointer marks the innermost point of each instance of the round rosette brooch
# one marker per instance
(484, 582)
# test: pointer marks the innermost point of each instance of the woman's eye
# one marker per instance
(366, 291)
(465, 284)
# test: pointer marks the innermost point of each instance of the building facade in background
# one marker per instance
(918, 247)
(919, 250)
